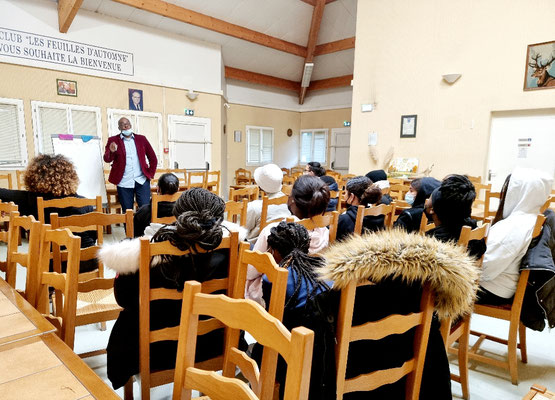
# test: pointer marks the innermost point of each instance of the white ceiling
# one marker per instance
(285, 19)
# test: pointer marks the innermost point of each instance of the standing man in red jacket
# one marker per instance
(128, 152)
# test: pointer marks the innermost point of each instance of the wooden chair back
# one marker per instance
(547, 205)
(328, 220)
(393, 324)
(266, 203)
(337, 194)
(147, 336)
(286, 171)
(65, 284)
(398, 191)
(510, 312)
(243, 177)
(388, 211)
(479, 202)
(288, 180)
(265, 264)
(396, 181)
(488, 210)
(237, 211)
(157, 198)
(424, 225)
(213, 182)
(335, 175)
(19, 176)
(297, 170)
(28, 259)
(287, 189)
(197, 179)
(5, 211)
(65, 203)
(295, 347)
(8, 178)
(249, 192)
(474, 179)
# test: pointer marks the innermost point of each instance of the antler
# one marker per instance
(549, 62)
(535, 64)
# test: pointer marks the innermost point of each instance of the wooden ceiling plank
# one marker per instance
(214, 24)
(329, 83)
(261, 79)
(317, 15)
(332, 47)
(67, 9)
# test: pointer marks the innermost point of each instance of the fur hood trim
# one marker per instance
(452, 274)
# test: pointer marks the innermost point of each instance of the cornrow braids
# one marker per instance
(292, 242)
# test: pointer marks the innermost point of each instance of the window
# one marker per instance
(148, 124)
(13, 151)
(260, 145)
(314, 146)
(62, 119)
(190, 143)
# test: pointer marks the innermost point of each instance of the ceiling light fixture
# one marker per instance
(191, 95)
(307, 73)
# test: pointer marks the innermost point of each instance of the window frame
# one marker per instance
(37, 133)
(261, 128)
(312, 131)
(22, 134)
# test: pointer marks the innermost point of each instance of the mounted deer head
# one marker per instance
(541, 71)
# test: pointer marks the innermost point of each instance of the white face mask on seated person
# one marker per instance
(409, 198)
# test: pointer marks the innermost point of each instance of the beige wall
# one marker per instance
(286, 149)
(27, 84)
(402, 50)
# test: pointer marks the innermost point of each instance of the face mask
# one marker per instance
(127, 132)
(409, 198)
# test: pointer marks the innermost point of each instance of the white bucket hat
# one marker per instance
(269, 178)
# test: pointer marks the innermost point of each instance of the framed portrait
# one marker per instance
(540, 66)
(135, 99)
(408, 126)
(66, 88)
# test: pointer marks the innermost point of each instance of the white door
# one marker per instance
(339, 149)
(520, 139)
(190, 142)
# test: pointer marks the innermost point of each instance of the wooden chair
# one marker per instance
(243, 177)
(547, 205)
(288, 180)
(488, 211)
(197, 179)
(424, 225)
(150, 378)
(511, 313)
(249, 192)
(474, 179)
(388, 211)
(297, 170)
(27, 260)
(328, 220)
(479, 204)
(5, 210)
(19, 177)
(398, 191)
(287, 189)
(66, 202)
(237, 211)
(337, 194)
(157, 198)
(396, 181)
(7, 177)
(393, 324)
(264, 386)
(213, 182)
(460, 331)
(295, 347)
(267, 202)
(286, 171)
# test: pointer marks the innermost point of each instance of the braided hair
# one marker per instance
(292, 242)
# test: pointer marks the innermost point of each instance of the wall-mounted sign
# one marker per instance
(189, 112)
(51, 50)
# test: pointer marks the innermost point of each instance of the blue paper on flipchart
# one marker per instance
(87, 158)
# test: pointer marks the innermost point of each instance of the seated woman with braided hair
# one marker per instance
(199, 216)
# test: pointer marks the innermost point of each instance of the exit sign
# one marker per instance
(189, 112)
(346, 123)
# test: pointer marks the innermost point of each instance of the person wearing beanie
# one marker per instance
(379, 177)
(268, 178)
(420, 190)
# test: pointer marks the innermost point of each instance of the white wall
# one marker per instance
(160, 58)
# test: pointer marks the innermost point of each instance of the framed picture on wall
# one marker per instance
(135, 99)
(540, 66)
(408, 126)
(66, 88)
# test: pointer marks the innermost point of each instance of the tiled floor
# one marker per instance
(486, 382)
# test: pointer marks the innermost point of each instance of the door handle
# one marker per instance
(332, 164)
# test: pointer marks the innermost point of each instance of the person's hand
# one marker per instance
(113, 147)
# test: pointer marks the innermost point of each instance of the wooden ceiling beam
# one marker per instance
(313, 2)
(329, 83)
(317, 15)
(261, 79)
(217, 25)
(67, 9)
(332, 47)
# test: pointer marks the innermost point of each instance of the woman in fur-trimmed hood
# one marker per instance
(399, 263)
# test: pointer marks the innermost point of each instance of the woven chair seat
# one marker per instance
(95, 301)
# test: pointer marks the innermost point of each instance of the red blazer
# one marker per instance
(117, 158)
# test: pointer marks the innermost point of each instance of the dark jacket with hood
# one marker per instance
(347, 220)
(399, 264)
(444, 233)
(143, 216)
(409, 220)
(376, 176)
(332, 185)
(539, 298)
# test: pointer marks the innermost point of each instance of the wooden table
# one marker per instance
(44, 367)
(539, 392)
(18, 319)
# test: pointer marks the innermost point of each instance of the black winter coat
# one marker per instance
(346, 223)
(143, 216)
